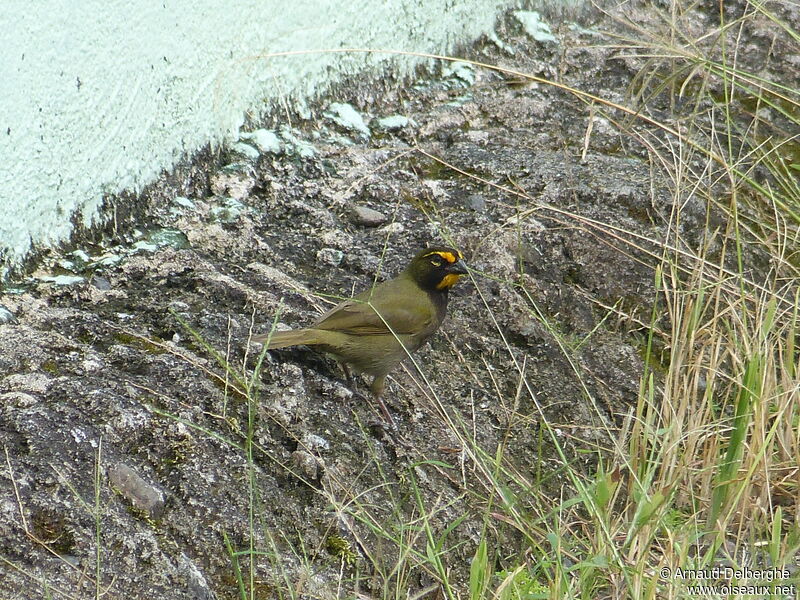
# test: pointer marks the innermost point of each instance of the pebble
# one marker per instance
(228, 212)
(533, 25)
(476, 202)
(393, 228)
(245, 150)
(308, 464)
(101, 283)
(6, 316)
(346, 117)
(315, 442)
(393, 123)
(168, 236)
(63, 279)
(233, 181)
(136, 490)
(265, 140)
(109, 259)
(330, 256)
(294, 145)
(462, 71)
(142, 246)
(368, 217)
(183, 202)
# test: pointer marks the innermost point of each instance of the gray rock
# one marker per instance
(234, 180)
(79, 365)
(142, 246)
(168, 236)
(18, 400)
(315, 443)
(393, 228)
(6, 316)
(62, 279)
(330, 256)
(101, 283)
(533, 25)
(246, 151)
(367, 217)
(476, 202)
(464, 72)
(141, 494)
(345, 116)
(228, 213)
(198, 585)
(183, 202)
(265, 140)
(307, 464)
(109, 259)
(393, 122)
(294, 145)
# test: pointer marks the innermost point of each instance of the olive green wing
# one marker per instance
(359, 318)
(402, 312)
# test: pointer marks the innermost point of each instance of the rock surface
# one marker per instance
(143, 361)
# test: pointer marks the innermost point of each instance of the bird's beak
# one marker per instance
(458, 268)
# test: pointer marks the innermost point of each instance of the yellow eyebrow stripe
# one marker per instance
(448, 256)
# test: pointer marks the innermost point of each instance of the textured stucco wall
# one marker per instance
(99, 96)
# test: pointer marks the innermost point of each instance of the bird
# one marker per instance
(376, 330)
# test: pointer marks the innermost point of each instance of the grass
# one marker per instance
(689, 478)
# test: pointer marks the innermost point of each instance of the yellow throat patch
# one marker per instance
(448, 281)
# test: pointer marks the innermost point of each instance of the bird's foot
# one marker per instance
(376, 423)
(386, 414)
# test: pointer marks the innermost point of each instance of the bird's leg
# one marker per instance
(378, 384)
(377, 387)
(350, 383)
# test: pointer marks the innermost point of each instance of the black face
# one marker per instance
(438, 268)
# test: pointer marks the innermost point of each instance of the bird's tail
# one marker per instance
(284, 339)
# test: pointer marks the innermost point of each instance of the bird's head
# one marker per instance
(437, 268)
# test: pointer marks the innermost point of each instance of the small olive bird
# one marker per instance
(377, 329)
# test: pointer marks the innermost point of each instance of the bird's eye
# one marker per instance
(436, 262)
